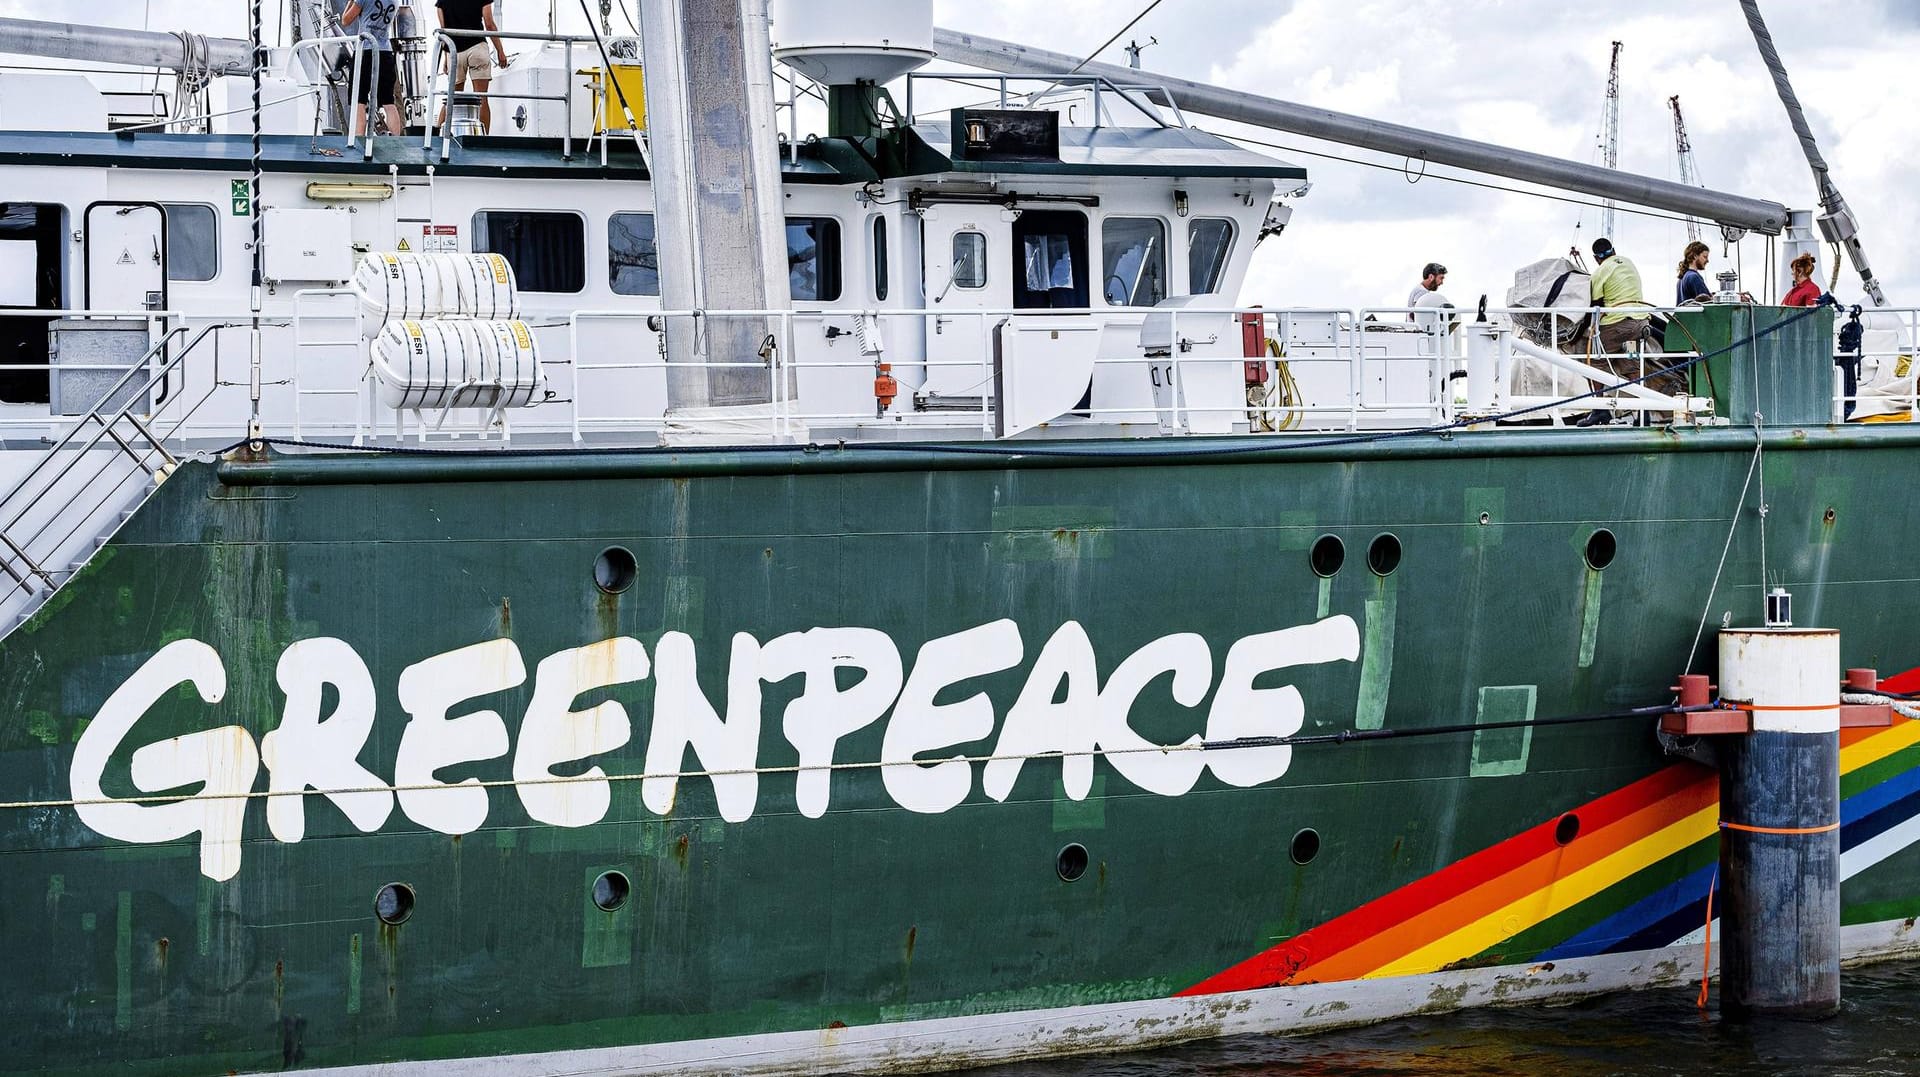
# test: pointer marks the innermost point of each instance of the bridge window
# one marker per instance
(1134, 265)
(1209, 242)
(969, 260)
(193, 242)
(813, 259)
(548, 251)
(880, 258)
(633, 262)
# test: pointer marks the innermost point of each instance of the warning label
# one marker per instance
(403, 244)
(440, 237)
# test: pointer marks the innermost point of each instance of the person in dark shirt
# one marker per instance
(478, 53)
(1693, 284)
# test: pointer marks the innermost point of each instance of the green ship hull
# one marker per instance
(830, 737)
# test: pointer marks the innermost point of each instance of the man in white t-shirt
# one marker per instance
(1427, 292)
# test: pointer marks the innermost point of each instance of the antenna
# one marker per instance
(1683, 148)
(1133, 49)
(1611, 148)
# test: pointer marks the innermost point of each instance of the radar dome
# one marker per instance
(841, 42)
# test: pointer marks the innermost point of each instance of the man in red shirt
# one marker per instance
(464, 21)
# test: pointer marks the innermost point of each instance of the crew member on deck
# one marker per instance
(1693, 283)
(373, 21)
(477, 55)
(1616, 287)
(1804, 293)
(1427, 292)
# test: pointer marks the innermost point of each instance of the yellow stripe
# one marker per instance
(1563, 894)
(1506, 922)
(1879, 746)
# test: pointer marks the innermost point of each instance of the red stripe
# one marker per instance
(1902, 682)
(1280, 963)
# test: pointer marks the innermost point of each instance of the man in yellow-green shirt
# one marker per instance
(1616, 287)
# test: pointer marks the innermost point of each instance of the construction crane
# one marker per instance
(1683, 148)
(1610, 147)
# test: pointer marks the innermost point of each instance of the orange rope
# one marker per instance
(1829, 828)
(1706, 959)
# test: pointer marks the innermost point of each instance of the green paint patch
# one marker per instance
(353, 973)
(123, 964)
(1376, 657)
(1052, 532)
(43, 727)
(1088, 814)
(1503, 752)
(1297, 528)
(1324, 605)
(1490, 503)
(1590, 618)
(606, 938)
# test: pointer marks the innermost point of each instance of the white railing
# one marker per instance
(1084, 372)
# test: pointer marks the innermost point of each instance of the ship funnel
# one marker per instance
(854, 48)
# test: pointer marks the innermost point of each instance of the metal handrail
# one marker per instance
(1140, 96)
(105, 429)
(441, 83)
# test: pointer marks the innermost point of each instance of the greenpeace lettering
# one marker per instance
(1064, 713)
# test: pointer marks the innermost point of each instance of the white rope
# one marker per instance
(1900, 706)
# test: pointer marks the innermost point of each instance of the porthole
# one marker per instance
(614, 570)
(1327, 555)
(1383, 554)
(1567, 829)
(1306, 846)
(610, 890)
(1072, 862)
(1601, 548)
(394, 903)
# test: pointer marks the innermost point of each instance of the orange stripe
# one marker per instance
(1781, 707)
(1828, 829)
(1443, 919)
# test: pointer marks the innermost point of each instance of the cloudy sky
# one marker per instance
(1529, 75)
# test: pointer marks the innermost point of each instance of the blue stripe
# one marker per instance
(1682, 895)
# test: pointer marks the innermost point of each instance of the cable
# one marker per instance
(1657, 215)
(1345, 736)
(1103, 45)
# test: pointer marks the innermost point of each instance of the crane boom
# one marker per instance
(1683, 148)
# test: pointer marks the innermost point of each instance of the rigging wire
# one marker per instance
(1655, 214)
(1148, 10)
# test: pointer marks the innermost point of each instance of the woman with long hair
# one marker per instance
(1693, 286)
(1804, 293)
